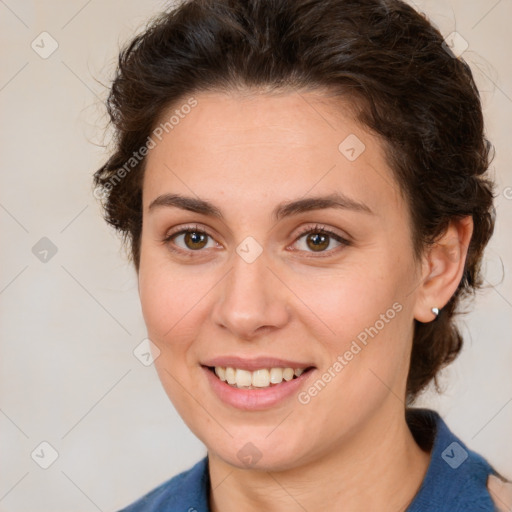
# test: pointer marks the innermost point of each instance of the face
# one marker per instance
(328, 285)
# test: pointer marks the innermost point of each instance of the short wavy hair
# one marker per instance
(412, 90)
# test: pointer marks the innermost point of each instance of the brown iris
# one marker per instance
(319, 241)
(195, 240)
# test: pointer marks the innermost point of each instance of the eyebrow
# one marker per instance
(285, 209)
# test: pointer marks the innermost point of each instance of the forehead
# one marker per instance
(280, 145)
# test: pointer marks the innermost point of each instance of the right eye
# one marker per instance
(187, 240)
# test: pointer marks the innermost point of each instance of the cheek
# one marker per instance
(350, 299)
(172, 298)
(160, 294)
(154, 299)
(168, 311)
(363, 312)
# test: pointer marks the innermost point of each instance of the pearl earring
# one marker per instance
(436, 312)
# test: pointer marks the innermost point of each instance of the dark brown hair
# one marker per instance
(414, 92)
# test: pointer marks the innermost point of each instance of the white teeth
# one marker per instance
(230, 375)
(261, 378)
(288, 374)
(220, 372)
(243, 378)
(276, 375)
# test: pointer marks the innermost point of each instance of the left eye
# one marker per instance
(319, 240)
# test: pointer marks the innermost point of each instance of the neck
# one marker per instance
(378, 468)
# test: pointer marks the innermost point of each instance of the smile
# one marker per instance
(262, 378)
(256, 398)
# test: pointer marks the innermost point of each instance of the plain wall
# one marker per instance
(68, 326)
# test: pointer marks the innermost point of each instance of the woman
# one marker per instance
(303, 188)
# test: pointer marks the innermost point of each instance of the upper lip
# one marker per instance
(256, 363)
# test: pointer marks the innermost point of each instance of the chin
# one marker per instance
(259, 453)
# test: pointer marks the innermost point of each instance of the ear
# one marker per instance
(442, 268)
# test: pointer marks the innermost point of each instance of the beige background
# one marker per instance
(68, 326)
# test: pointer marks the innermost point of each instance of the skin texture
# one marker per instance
(501, 493)
(349, 447)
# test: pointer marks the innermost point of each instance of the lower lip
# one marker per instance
(255, 399)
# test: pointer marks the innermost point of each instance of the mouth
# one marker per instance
(262, 378)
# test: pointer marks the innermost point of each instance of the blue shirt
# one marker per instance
(456, 478)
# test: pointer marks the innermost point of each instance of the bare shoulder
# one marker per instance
(501, 493)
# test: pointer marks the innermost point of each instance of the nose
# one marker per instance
(251, 300)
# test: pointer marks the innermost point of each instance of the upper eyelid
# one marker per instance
(319, 228)
(316, 227)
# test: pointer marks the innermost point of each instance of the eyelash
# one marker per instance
(318, 229)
